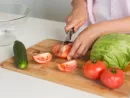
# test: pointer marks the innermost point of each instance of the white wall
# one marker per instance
(48, 9)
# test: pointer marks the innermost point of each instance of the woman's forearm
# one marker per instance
(79, 3)
(115, 26)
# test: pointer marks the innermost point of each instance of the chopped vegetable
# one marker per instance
(42, 58)
(68, 66)
(61, 53)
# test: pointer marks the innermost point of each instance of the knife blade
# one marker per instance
(68, 38)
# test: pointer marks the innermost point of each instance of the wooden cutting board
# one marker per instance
(74, 79)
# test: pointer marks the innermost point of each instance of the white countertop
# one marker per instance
(17, 85)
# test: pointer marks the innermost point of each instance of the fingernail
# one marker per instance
(69, 58)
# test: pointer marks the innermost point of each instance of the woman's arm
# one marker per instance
(113, 26)
(87, 37)
(79, 3)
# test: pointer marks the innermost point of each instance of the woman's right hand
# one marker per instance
(76, 19)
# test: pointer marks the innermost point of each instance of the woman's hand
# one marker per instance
(76, 19)
(84, 41)
(86, 38)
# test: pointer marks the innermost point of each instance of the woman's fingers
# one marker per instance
(85, 51)
(74, 48)
(74, 24)
(76, 19)
(71, 24)
(80, 51)
(76, 28)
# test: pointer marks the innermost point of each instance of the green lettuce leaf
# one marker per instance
(113, 49)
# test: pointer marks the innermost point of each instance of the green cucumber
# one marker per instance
(20, 55)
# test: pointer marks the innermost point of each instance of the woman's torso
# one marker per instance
(101, 10)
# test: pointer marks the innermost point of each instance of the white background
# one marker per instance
(48, 9)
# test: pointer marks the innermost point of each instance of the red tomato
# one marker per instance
(43, 58)
(112, 77)
(63, 52)
(92, 69)
(68, 66)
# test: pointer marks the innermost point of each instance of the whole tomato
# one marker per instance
(92, 69)
(112, 77)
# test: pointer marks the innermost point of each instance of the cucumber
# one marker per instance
(20, 55)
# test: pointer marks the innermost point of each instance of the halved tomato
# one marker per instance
(43, 58)
(68, 66)
(62, 53)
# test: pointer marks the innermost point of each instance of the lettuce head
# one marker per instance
(113, 49)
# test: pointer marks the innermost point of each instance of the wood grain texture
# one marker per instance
(74, 79)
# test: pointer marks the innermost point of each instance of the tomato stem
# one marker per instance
(113, 71)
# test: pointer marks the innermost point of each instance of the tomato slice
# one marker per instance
(56, 49)
(43, 58)
(68, 66)
(63, 52)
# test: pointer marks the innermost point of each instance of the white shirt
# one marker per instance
(101, 10)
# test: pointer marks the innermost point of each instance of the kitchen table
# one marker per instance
(17, 85)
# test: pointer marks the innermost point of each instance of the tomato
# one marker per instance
(43, 58)
(92, 69)
(62, 53)
(68, 66)
(112, 77)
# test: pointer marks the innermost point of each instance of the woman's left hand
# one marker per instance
(84, 41)
(86, 38)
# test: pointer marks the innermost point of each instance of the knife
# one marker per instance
(67, 38)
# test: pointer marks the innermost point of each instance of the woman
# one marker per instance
(100, 17)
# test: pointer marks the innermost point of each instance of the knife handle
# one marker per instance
(71, 31)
